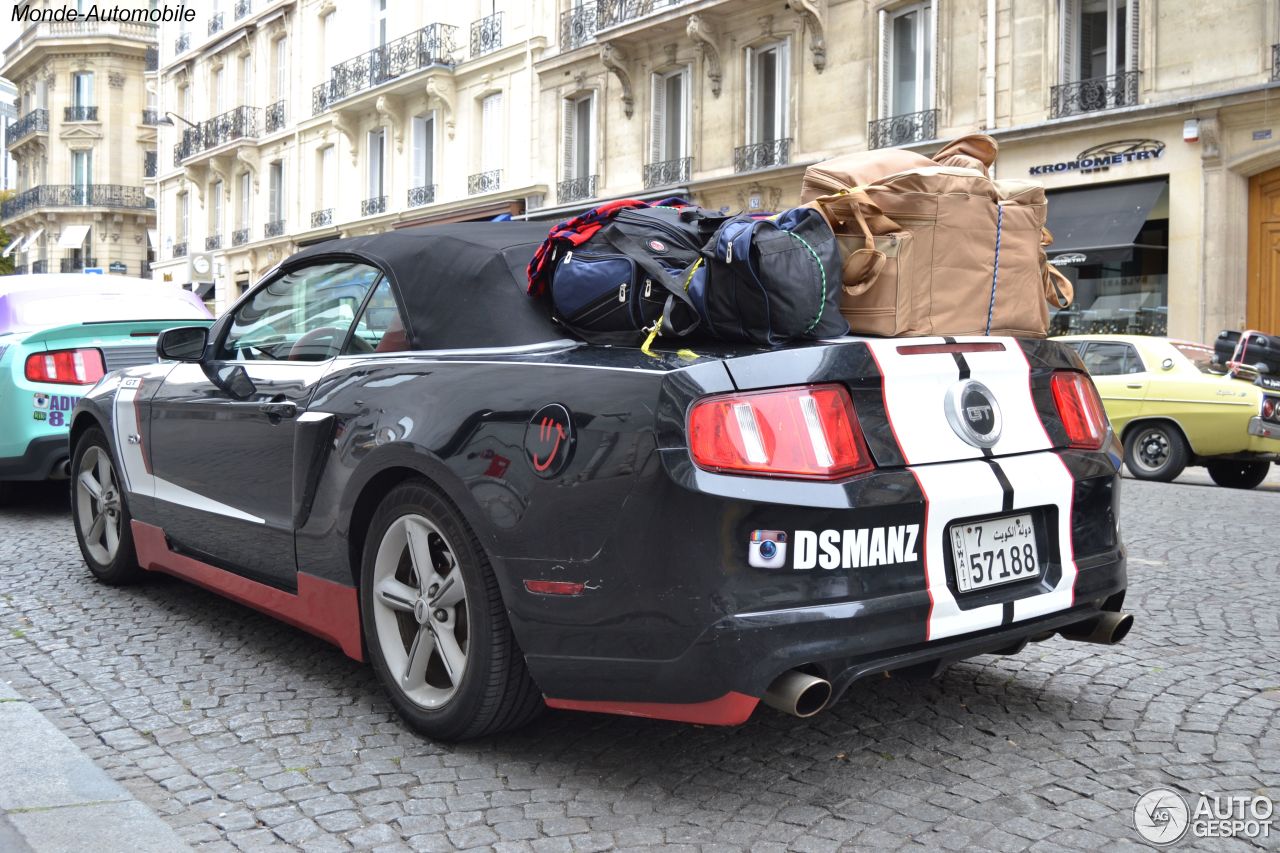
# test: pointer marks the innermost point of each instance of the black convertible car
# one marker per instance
(388, 444)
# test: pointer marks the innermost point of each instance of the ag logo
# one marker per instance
(973, 413)
(1161, 816)
(548, 440)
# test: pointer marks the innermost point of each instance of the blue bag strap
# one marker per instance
(995, 273)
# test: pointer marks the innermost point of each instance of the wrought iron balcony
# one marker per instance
(239, 123)
(321, 218)
(212, 244)
(40, 266)
(486, 35)
(151, 59)
(418, 196)
(576, 189)
(373, 206)
(150, 164)
(243, 8)
(180, 249)
(182, 43)
(19, 269)
(77, 195)
(578, 26)
(1096, 93)
(275, 117)
(484, 182)
(76, 264)
(80, 114)
(434, 44)
(1275, 62)
(240, 236)
(762, 155)
(611, 13)
(36, 121)
(151, 117)
(215, 23)
(667, 172)
(902, 130)
(274, 228)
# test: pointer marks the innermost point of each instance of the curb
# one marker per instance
(53, 798)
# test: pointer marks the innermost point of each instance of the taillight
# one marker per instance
(1080, 408)
(66, 367)
(808, 432)
(1269, 408)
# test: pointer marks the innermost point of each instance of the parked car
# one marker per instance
(1173, 408)
(432, 477)
(59, 334)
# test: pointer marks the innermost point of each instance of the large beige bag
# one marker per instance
(938, 249)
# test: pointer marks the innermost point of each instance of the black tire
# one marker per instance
(1155, 451)
(1238, 475)
(118, 566)
(495, 692)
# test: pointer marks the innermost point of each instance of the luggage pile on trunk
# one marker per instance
(886, 242)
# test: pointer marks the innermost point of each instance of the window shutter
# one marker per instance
(1133, 28)
(429, 150)
(491, 145)
(570, 134)
(1069, 12)
(419, 151)
(886, 73)
(782, 99)
(752, 101)
(931, 98)
(658, 123)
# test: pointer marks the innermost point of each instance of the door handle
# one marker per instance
(279, 409)
(1135, 387)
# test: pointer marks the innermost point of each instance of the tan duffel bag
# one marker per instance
(938, 250)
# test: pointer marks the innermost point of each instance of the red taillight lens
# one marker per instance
(1080, 408)
(1269, 408)
(66, 367)
(810, 433)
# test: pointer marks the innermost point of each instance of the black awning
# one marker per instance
(1102, 223)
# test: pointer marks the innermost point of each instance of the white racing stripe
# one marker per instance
(1041, 479)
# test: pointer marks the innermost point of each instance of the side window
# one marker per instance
(1133, 361)
(302, 316)
(380, 327)
(1106, 359)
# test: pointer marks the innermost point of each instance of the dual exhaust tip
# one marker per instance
(803, 695)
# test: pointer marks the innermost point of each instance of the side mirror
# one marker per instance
(186, 343)
(1167, 364)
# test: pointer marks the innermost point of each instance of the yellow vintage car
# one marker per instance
(1171, 410)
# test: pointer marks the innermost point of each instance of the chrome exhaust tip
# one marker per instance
(1106, 628)
(798, 693)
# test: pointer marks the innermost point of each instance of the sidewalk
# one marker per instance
(53, 798)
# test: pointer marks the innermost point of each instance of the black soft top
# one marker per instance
(462, 285)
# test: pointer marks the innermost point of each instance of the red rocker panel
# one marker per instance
(731, 709)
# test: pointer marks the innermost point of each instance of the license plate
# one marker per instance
(994, 551)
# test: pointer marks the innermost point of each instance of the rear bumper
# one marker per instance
(1264, 438)
(42, 459)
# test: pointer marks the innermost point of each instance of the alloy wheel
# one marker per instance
(98, 505)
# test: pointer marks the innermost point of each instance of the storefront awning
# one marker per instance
(152, 239)
(73, 236)
(31, 240)
(8, 250)
(204, 289)
(1102, 223)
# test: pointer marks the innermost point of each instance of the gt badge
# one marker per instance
(548, 440)
(768, 549)
(973, 413)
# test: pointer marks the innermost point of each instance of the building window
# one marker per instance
(275, 198)
(281, 61)
(906, 57)
(184, 216)
(246, 78)
(81, 176)
(491, 132)
(1099, 56)
(327, 175)
(579, 137)
(377, 151)
(767, 93)
(378, 19)
(246, 200)
(669, 129)
(215, 211)
(424, 150)
(219, 91)
(82, 89)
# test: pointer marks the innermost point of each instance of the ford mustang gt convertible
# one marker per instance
(386, 443)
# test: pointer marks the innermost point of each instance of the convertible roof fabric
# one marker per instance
(462, 284)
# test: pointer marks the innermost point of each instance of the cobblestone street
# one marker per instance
(244, 733)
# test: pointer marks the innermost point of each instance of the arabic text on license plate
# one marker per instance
(994, 551)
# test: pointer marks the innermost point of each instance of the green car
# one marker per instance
(59, 334)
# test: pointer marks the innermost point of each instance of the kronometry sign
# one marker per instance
(1106, 155)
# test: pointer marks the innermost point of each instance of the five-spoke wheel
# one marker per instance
(100, 512)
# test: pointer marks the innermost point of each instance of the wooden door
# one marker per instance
(1262, 305)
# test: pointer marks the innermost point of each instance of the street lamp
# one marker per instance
(169, 116)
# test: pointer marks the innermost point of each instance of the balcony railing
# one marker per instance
(240, 236)
(434, 44)
(275, 117)
(180, 249)
(1096, 93)
(418, 196)
(19, 269)
(902, 130)
(611, 13)
(578, 26)
(486, 35)
(80, 114)
(321, 218)
(36, 121)
(151, 59)
(212, 244)
(151, 117)
(484, 182)
(76, 264)
(373, 206)
(38, 267)
(667, 172)
(1275, 62)
(243, 8)
(215, 23)
(150, 164)
(77, 195)
(182, 43)
(576, 189)
(762, 155)
(274, 228)
(239, 123)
